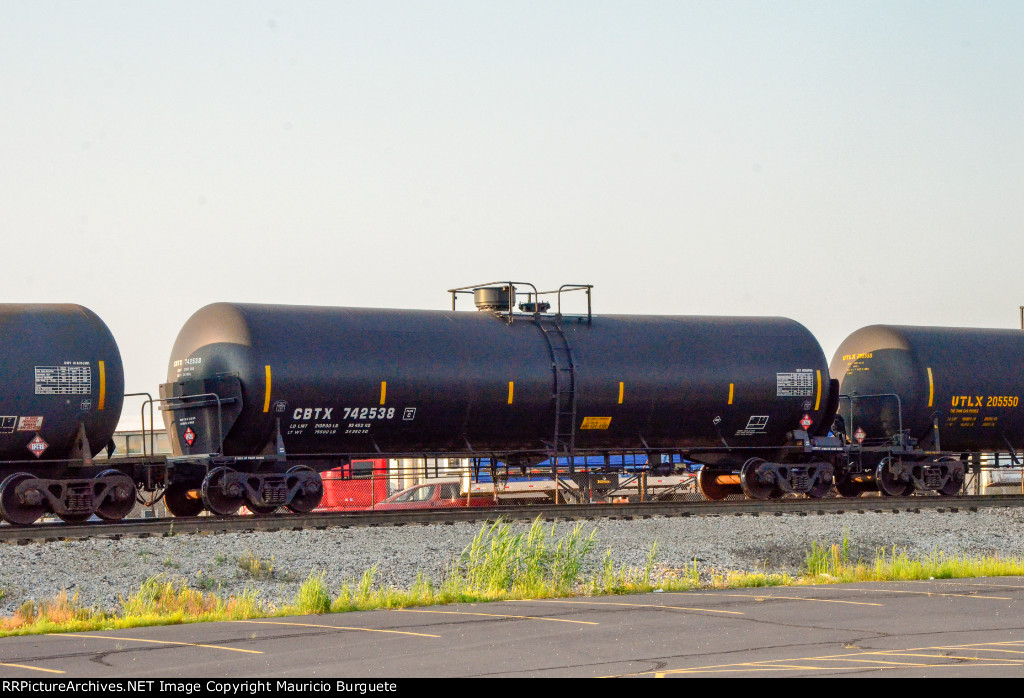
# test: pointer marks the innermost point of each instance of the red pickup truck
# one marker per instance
(435, 494)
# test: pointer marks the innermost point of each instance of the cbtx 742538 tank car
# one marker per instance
(280, 393)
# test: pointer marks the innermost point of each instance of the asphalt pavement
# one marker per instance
(934, 628)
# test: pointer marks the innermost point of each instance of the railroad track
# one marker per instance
(142, 528)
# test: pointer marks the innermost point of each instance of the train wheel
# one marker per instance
(889, 485)
(950, 489)
(178, 501)
(820, 489)
(220, 496)
(751, 484)
(312, 490)
(955, 482)
(846, 487)
(120, 499)
(12, 508)
(709, 487)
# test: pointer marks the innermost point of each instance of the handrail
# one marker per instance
(215, 396)
(899, 406)
(535, 294)
(142, 418)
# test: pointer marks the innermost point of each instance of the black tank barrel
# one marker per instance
(357, 380)
(61, 371)
(967, 381)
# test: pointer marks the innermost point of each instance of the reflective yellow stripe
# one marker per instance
(266, 396)
(163, 642)
(931, 387)
(622, 392)
(103, 386)
(731, 386)
(817, 401)
(511, 390)
(383, 391)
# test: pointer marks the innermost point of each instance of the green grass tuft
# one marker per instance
(312, 597)
(832, 564)
(500, 564)
(251, 566)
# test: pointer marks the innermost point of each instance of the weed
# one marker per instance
(252, 566)
(362, 595)
(27, 612)
(828, 561)
(312, 596)
(500, 564)
(747, 580)
(206, 583)
(56, 614)
(365, 588)
(693, 575)
(624, 580)
(159, 596)
(832, 563)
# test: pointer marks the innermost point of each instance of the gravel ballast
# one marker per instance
(102, 571)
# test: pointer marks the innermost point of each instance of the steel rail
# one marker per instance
(171, 526)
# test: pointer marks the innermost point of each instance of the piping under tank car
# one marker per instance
(920, 404)
(262, 398)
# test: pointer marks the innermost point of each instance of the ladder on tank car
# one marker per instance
(564, 368)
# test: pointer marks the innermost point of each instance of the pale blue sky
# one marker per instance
(840, 163)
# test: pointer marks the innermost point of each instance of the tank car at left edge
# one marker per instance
(262, 398)
(61, 392)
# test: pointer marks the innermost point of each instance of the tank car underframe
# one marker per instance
(900, 472)
(762, 479)
(24, 497)
(808, 467)
(222, 485)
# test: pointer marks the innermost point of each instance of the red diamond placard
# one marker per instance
(859, 435)
(37, 446)
(806, 422)
(189, 436)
